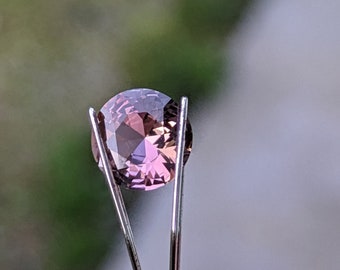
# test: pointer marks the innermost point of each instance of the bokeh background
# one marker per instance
(262, 184)
(56, 59)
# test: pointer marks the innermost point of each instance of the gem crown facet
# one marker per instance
(139, 128)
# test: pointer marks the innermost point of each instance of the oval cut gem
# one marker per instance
(139, 128)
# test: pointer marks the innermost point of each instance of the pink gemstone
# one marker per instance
(138, 127)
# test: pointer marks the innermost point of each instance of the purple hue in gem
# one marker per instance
(138, 127)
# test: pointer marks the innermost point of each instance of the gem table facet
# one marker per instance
(139, 128)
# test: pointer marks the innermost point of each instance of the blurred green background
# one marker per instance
(56, 59)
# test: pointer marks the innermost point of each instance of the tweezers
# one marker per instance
(177, 206)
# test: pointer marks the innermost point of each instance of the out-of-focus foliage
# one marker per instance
(180, 51)
(209, 19)
(75, 206)
(56, 59)
(173, 62)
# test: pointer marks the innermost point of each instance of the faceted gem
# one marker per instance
(139, 128)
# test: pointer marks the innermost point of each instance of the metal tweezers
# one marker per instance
(176, 222)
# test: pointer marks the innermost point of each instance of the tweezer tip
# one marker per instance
(92, 111)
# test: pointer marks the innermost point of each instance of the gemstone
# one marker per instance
(139, 128)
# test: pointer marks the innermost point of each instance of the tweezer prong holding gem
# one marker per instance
(116, 194)
(176, 223)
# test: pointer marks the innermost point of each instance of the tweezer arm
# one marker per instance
(116, 194)
(176, 224)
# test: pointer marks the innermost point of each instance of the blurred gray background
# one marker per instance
(262, 185)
